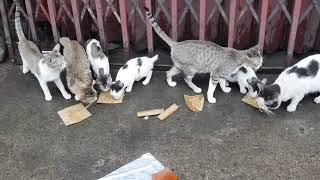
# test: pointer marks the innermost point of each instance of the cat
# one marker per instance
(292, 84)
(247, 81)
(99, 63)
(196, 56)
(2, 49)
(79, 77)
(46, 68)
(134, 70)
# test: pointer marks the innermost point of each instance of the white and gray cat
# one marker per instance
(195, 56)
(99, 63)
(2, 48)
(247, 80)
(134, 70)
(293, 84)
(79, 75)
(46, 68)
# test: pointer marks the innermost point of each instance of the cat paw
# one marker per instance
(197, 90)
(67, 96)
(291, 108)
(171, 83)
(243, 91)
(317, 100)
(227, 89)
(212, 100)
(128, 90)
(25, 70)
(145, 83)
(48, 98)
(76, 98)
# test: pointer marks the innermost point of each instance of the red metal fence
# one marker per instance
(274, 24)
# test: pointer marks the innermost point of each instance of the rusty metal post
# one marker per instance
(232, 14)
(6, 31)
(76, 17)
(52, 14)
(263, 22)
(174, 12)
(294, 26)
(202, 23)
(31, 22)
(149, 29)
(102, 35)
(124, 27)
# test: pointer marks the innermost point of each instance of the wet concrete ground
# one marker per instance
(228, 140)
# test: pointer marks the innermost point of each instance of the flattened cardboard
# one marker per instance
(168, 112)
(106, 98)
(250, 101)
(74, 114)
(194, 103)
(151, 112)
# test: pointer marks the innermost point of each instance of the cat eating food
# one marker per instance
(99, 63)
(293, 84)
(79, 77)
(196, 56)
(134, 70)
(247, 81)
(46, 68)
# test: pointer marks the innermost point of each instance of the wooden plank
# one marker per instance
(75, 10)
(294, 27)
(124, 27)
(31, 22)
(102, 36)
(232, 14)
(6, 31)
(52, 14)
(149, 29)
(263, 20)
(202, 23)
(174, 12)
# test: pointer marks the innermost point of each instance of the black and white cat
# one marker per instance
(99, 63)
(293, 84)
(247, 80)
(134, 70)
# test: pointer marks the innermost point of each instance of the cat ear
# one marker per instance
(109, 79)
(101, 72)
(264, 81)
(121, 85)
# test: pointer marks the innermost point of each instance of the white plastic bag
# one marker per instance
(139, 169)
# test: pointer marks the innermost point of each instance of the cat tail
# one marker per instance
(157, 28)
(17, 21)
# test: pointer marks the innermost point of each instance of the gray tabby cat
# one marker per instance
(2, 48)
(46, 68)
(195, 56)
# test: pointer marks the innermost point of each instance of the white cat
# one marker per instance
(293, 84)
(99, 63)
(46, 68)
(134, 70)
(247, 81)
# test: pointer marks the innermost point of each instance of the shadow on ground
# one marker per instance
(228, 140)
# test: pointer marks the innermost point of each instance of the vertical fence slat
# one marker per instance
(102, 35)
(124, 27)
(76, 17)
(174, 12)
(202, 23)
(232, 14)
(263, 22)
(149, 28)
(52, 14)
(31, 22)
(6, 31)
(294, 26)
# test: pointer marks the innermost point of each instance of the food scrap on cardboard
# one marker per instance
(74, 114)
(106, 98)
(251, 101)
(194, 103)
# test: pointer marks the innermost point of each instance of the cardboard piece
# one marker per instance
(165, 174)
(250, 101)
(168, 112)
(106, 98)
(74, 114)
(194, 103)
(151, 112)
